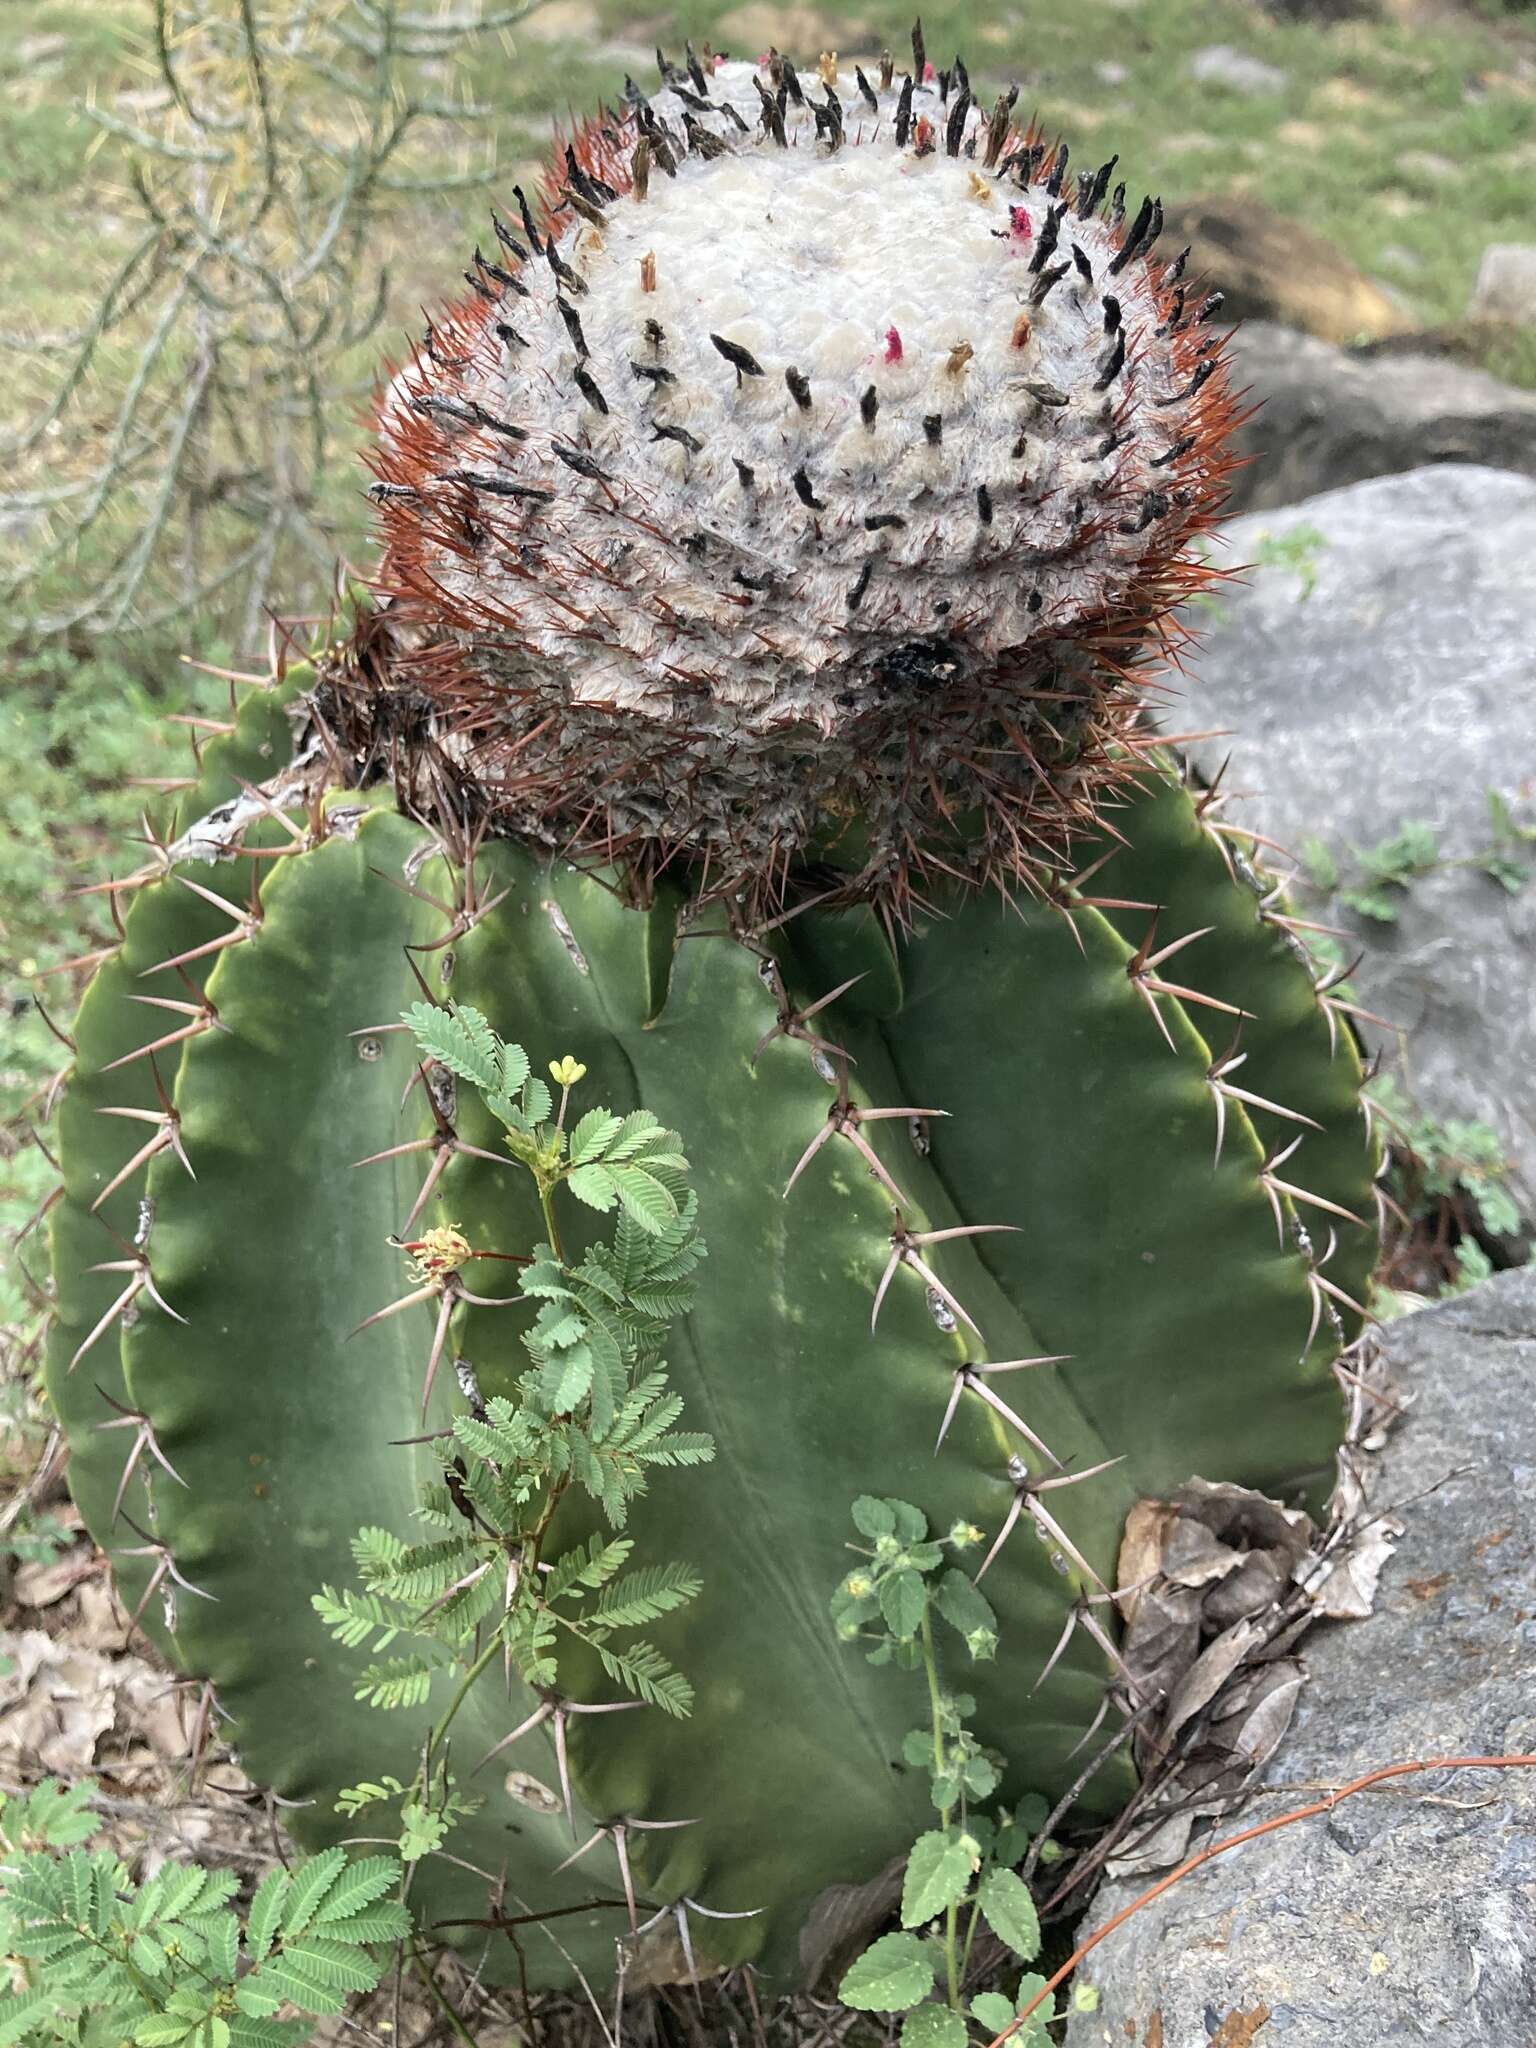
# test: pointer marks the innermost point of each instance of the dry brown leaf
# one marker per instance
(1244, 1518)
(842, 1920)
(1257, 1583)
(1252, 1722)
(101, 1621)
(1141, 1550)
(1240, 2029)
(1426, 1589)
(40, 1585)
(1192, 1556)
(1209, 1673)
(1348, 1591)
(156, 1708)
(56, 1702)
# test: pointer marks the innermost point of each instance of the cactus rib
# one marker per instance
(112, 1089)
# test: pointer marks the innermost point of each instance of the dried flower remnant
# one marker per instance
(439, 1252)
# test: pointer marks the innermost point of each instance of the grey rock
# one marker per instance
(1221, 64)
(34, 52)
(20, 523)
(1328, 416)
(1319, 10)
(1506, 284)
(1409, 1914)
(1269, 267)
(1402, 688)
(1398, 256)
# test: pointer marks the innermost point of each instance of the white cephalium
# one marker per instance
(816, 480)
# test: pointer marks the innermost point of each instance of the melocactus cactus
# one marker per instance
(775, 543)
(807, 479)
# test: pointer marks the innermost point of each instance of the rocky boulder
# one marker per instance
(1328, 417)
(1235, 71)
(1271, 268)
(1506, 284)
(1376, 669)
(1408, 1915)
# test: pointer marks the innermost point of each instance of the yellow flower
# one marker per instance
(438, 1253)
(567, 1072)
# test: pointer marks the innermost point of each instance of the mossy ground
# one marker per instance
(1406, 140)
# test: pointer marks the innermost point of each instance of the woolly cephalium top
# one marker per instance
(799, 488)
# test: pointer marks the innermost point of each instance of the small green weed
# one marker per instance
(98, 1960)
(594, 1412)
(1375, 881)
(1450, 1185)
(1297, 551)
(962, 1874)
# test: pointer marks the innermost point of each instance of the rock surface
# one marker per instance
(1408, 1915)
(1506, 284)
(1319, 10)
(1328, 417)
(1401, 688)
(803, 31)
(562, 20)
(1270, 268)
(1220, 64)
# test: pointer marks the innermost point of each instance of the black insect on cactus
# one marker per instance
(779, 545)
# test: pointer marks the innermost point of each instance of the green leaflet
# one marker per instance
(933, 2026)
(938, 1872)
(891, 1975)
(164, 1962)
(1010, 1912)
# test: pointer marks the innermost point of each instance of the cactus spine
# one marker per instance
(990, 1048)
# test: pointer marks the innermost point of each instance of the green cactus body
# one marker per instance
(1185, 860)
(1069, 1119)
(87, 1388)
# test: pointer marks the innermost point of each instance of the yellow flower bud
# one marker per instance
(567, 1072)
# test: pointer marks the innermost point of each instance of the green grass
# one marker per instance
(1366, 144)
(1386, 100)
